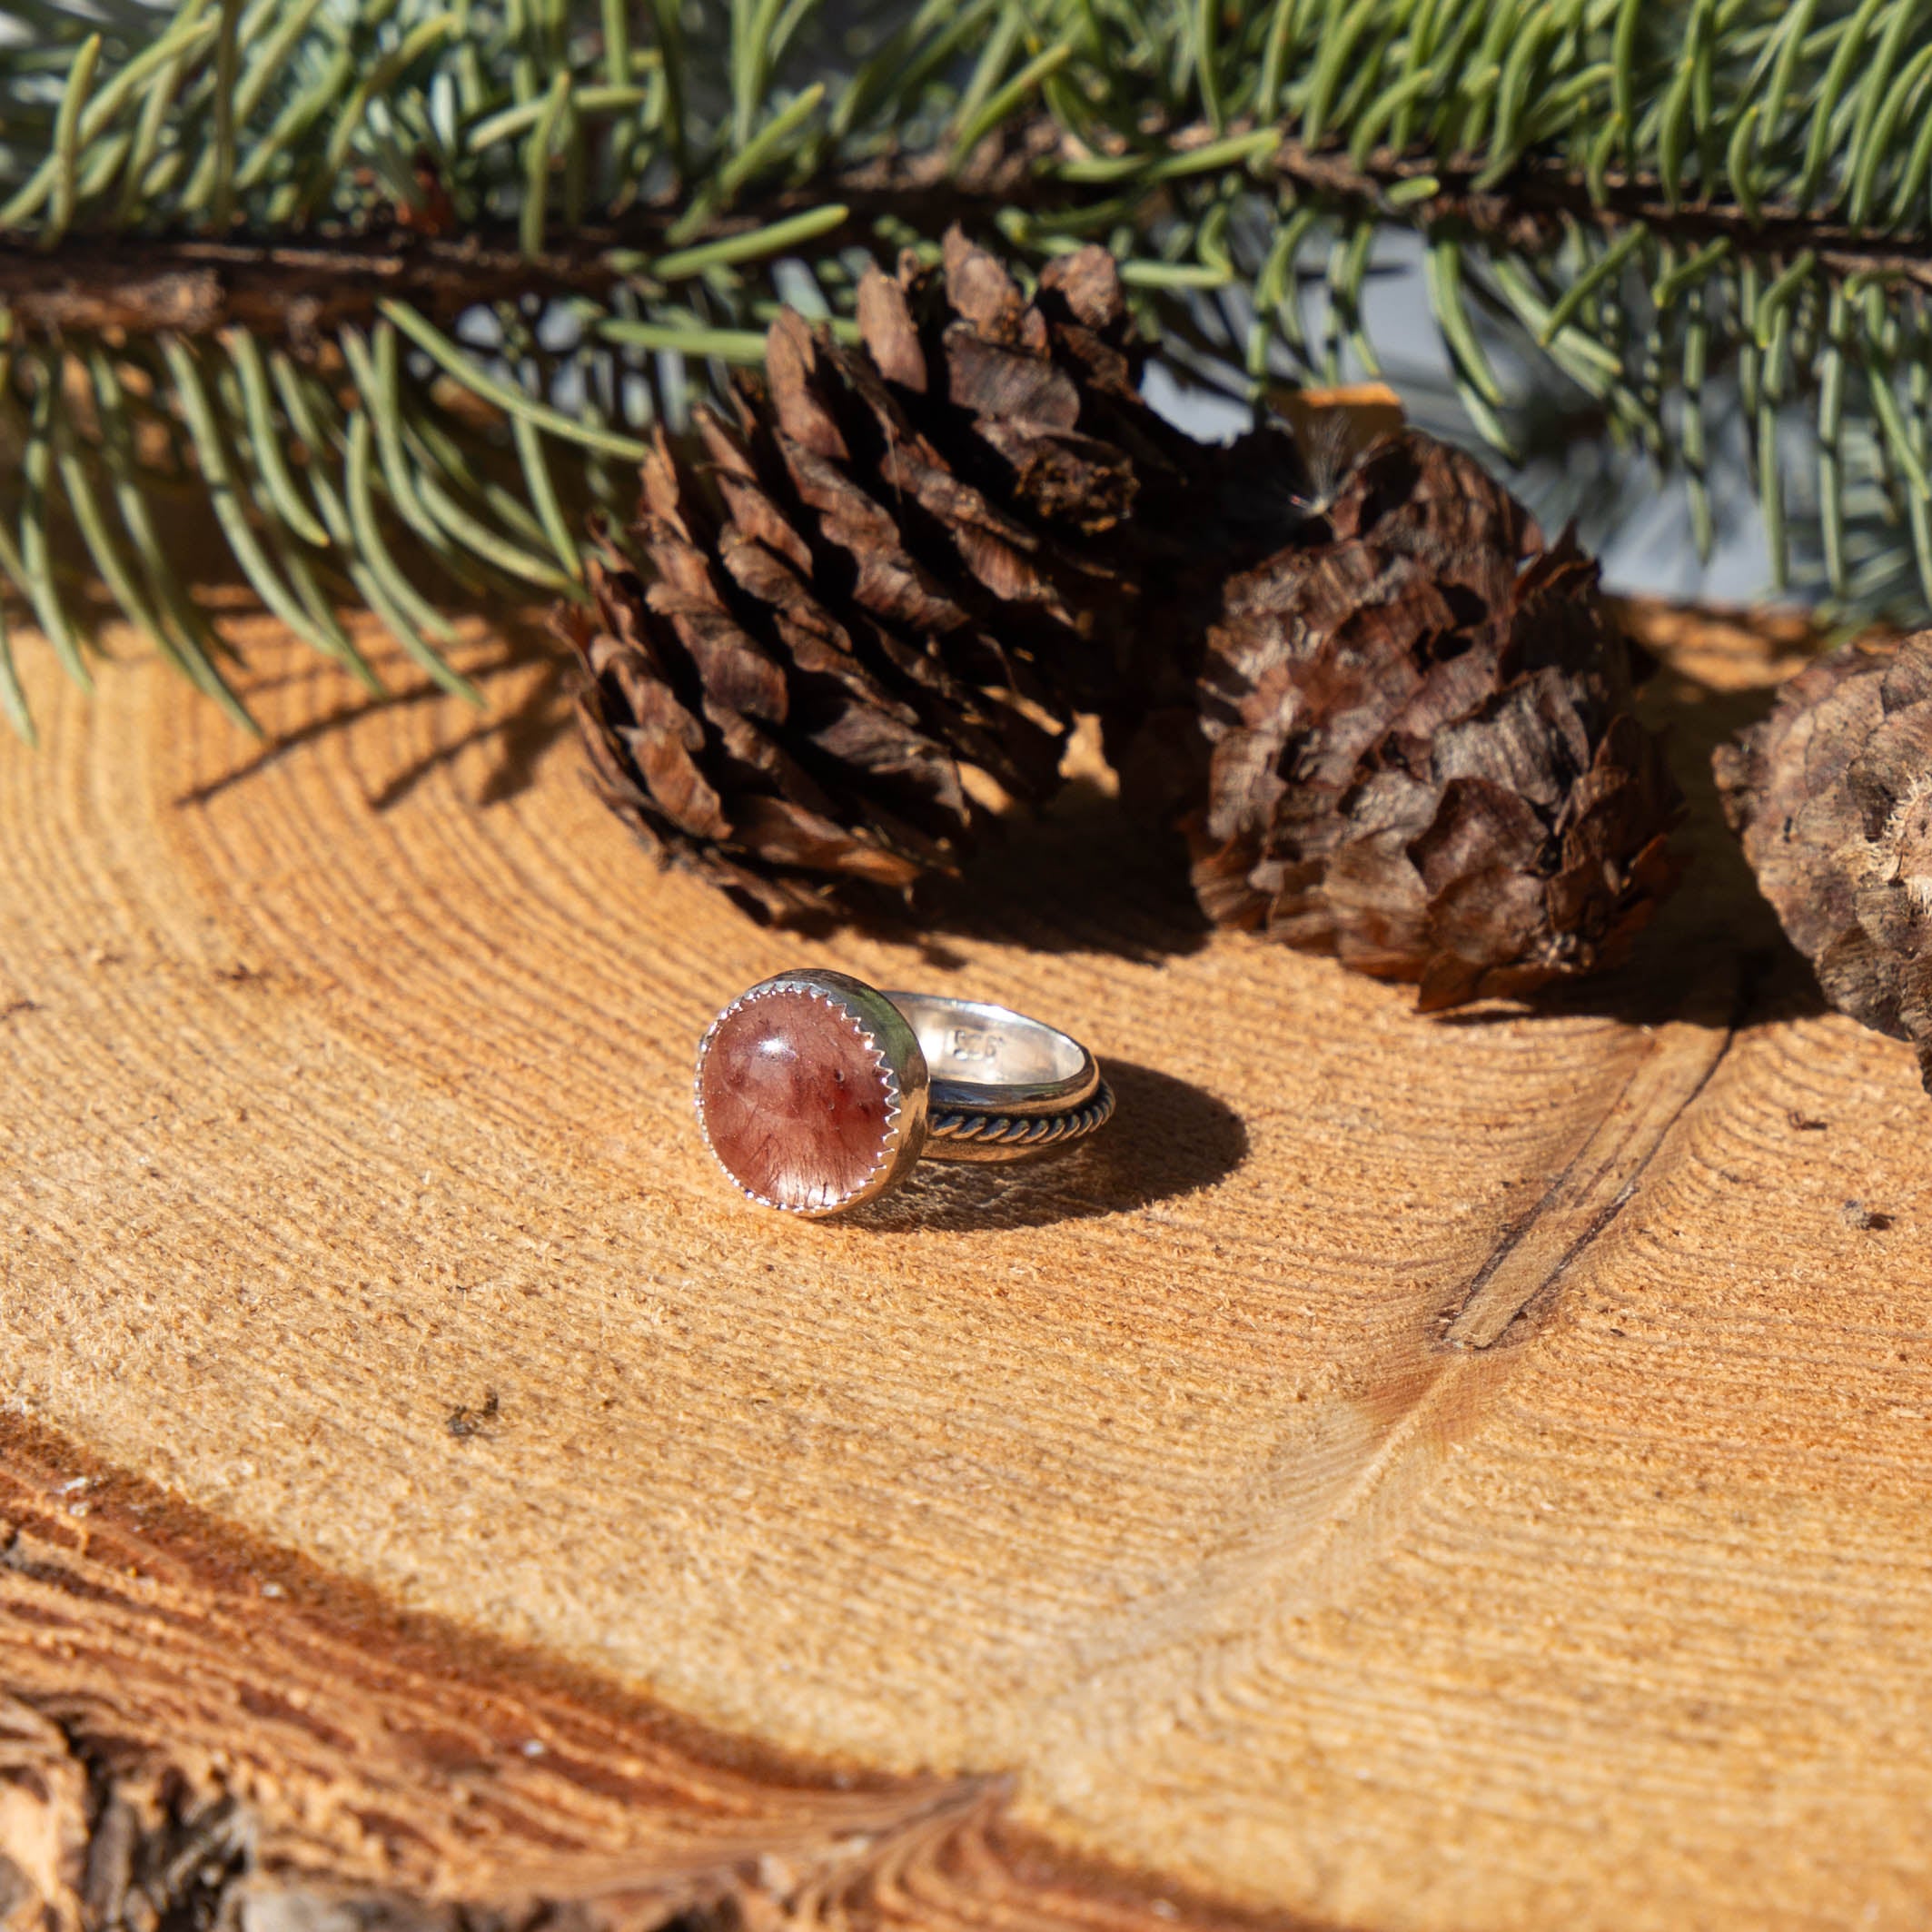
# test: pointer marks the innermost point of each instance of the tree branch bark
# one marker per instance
(297, 289)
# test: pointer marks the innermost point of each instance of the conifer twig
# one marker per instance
(577, 211)
(193, 284)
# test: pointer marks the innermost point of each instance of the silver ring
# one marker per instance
(816, 1092)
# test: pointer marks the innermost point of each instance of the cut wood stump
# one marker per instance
(1404, 1474)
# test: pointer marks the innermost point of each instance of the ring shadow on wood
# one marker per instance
(1166, 1138)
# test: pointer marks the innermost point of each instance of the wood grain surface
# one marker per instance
(1403, 1475)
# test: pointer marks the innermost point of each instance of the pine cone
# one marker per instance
(1832, 795)
(926, 553)
(1424, 757)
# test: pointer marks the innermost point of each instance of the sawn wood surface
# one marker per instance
(1466, 1474)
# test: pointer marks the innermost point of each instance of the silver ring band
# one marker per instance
(1000, 1084)
(816, 1092)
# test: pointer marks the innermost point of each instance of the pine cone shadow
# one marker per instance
(1167, 1137)
(1082, 875)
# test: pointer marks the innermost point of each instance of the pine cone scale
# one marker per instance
(885, 327)
(666, 754)
(1375, 902)
(801, 416)
(1006, 384)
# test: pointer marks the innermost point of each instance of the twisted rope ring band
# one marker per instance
(1008, 1130)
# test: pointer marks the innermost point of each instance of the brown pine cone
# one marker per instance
(1832, 796)
(1424, 757)
(926, 554)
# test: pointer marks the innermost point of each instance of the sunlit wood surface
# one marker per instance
(1467, 1473)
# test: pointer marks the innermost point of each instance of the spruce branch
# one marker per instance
(196, 285)
(276, 243)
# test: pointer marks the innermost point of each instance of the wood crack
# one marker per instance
(1604, 1175)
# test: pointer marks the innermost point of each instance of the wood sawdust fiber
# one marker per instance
(344, 1091)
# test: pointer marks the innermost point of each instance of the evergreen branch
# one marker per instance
(1528, 208)
(459, 263)
(196, 285)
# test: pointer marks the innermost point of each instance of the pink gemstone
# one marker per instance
(794, 1101)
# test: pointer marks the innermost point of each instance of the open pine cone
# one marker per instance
(1424, 757)
(925, 553)
(1832, 795)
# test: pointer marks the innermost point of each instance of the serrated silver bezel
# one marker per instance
(882, 1030)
